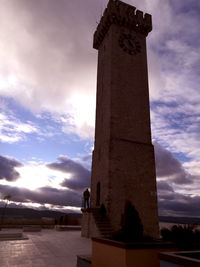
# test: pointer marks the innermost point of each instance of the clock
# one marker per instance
(129, 44)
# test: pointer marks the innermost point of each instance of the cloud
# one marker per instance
(166, 163)
(68, 193)
(47, 58)
(7, 168)
(176, 204)
(167, 166)
(87, 157)
(173, 203)
(176, 127)
(39, 183)
(13, 130)
(79, 176)
(164, 187)
(174, 86)
(43, 195)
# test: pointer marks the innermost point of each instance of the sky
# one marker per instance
(47, 101)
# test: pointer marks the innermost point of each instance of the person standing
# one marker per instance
(86, 197)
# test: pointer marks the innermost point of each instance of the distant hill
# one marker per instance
(35, 214)
(38, 214)
(188, 220)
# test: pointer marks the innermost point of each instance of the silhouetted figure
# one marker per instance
(86, 197)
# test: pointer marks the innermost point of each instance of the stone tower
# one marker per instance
(123, 166)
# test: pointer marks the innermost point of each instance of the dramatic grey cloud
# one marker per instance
(79, 176)
(44, 195)
(175, 204)
(7, 168)
(170, 202)
(164, 187)
(172, 176)
(166, 163)
(167, 166)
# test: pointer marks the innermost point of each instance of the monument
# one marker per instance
(123, 165)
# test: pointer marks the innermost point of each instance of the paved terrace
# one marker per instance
(46, 248)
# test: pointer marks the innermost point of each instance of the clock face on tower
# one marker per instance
(129, 44)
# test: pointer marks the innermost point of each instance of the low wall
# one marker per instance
(109, 253)
(179, 259)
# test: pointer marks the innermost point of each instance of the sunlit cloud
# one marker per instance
(82, 118)
(34, 175)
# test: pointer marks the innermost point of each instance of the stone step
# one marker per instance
(108, 228)
(10, 235)
(105, 228)
(105, 233)
(102, 221)
(103, 224)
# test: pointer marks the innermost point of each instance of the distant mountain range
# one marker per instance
(25, 213)
(188, 220)
(38, 214)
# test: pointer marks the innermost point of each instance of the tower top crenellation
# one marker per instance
(118, 12)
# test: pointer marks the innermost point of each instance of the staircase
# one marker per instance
(102, 223)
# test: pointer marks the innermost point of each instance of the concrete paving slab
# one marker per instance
(46, 248)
